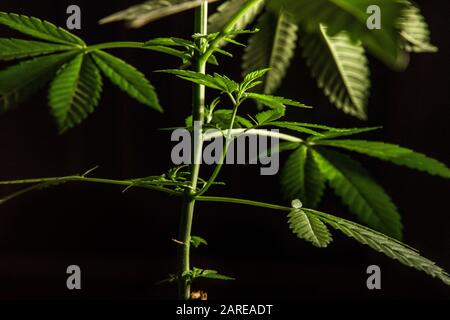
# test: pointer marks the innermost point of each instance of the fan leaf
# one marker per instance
(127, 78)
(309, 227)
(11, 49)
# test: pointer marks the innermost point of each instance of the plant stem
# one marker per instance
(187, 214)
(244, 202)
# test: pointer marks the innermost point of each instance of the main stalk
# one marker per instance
(198, 107)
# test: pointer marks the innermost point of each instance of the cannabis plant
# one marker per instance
(333, 36)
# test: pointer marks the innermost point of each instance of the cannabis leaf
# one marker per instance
(139, 15)
(266, 117)
(20, 81)
(75, 92)
(393, 153)
(309, 227)
(273, 47)
(197, 241)
(11, 49)
(274, 101)
(364, 196)
(351, 16)
(384, 244)
(127, 78)
(340, 68)
(227, 10)
(414, 31)
(301, 177)
(39, 29)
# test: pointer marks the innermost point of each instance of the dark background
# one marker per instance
(122, 242)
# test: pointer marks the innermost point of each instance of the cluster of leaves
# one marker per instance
(72, 68)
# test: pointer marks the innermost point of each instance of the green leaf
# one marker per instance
(172, 41)
(196, 77)
(227, 10)
(273, 47)
(302, 179)
(384, 244)
(274, 101)
(340, 68)
(212, 274)
(343, 133)
(365, 197)
(75, 92)
(309, 227)
(11, 49)
(251, 79)
(270, 115)
(20, 81)
(393, 153)
(222, 119)
(197, 241)
(126, 77)
(37, 28)
(414, 31)
(352, 16)
(139, 15)
(295, 126)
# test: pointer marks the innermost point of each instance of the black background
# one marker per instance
(122, 242)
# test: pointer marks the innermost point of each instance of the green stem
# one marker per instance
(244, 202)
(198, 110)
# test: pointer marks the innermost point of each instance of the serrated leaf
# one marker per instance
(414, 31)
(228, 9)
(340, 68)
(365, 198)
(40, 29)
(384, 244)
(270, 115)
(139, 15)
(274, 101)
(221, 119)
(196, 77)
(75, 92)
(393, 153)
(11, 49)
(343, 133)
(352, 16)
(22, 80)
(127, 78)
(295, 126)
(309, 227)
(273, 47)
(302, 179)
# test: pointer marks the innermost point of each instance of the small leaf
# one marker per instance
(309, 227)
(196, 77)
(197, 241)
(37, 28)
(274, 101)
(270, 115)
(126, 77)
(393, 153)
(213, 274)
(343, 133)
